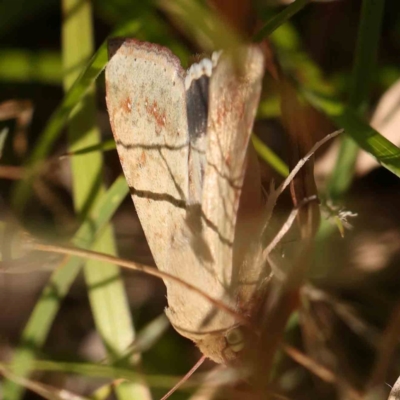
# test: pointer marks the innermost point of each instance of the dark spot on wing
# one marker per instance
(197, 106)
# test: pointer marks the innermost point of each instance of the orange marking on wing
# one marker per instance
(158, 115)
(126, 105)
(142, 160)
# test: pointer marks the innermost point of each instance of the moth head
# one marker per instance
(223, 347)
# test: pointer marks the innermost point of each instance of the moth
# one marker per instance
(183, 142)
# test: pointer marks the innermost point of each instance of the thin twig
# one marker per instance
(185, 378)
(88, 254)
(11, 172)
(275, 193)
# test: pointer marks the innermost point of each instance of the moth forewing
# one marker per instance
(234, 92)
(147, 108)
(236, 86)
(190, 230)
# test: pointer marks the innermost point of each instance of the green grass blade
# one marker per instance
(147, 337)
(100, 371)
(269, 108)
(107, 295)
(280, 19)
(386, 153)
(322, 96)
(48, 304)
(60, 116)
(102, 147)
(363, 73)
(269, 156)
(366, 51)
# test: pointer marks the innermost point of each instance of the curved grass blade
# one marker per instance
(60, 116)
(48, 304)
(386, 153)
(146, 338)
(102, 147)
(279, 19)
(322, 97)
(363, 73)
(269, 156)
(102, 371)
(45, 391)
